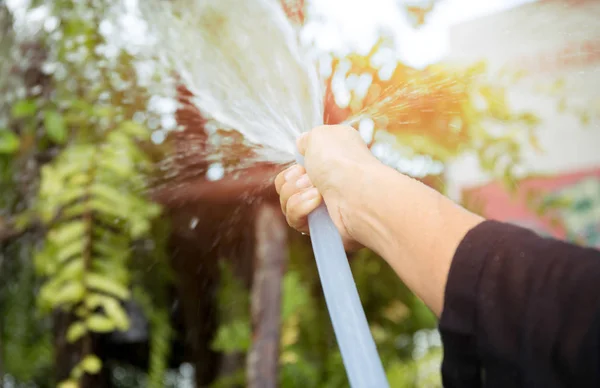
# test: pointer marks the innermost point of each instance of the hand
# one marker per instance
(335, 158)
(413, 227)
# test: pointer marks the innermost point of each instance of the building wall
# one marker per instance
(552, 40)
(575, 216)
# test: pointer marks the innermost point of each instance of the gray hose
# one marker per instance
(359, 353)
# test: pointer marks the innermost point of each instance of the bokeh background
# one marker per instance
(132, 256)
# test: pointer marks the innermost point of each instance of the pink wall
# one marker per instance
(497, 203)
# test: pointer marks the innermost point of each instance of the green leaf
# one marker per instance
(80, 179)
(81, 312)
(24, 108)
(91, 364)
(67, 232)
(116, 271)
(76, 373)
(112, 308)
(73, 269)
(75, 247)
(9, 142)
(76, 331)
(138, 228)
(107, 285)
(117, 253)
(69, 194)
(112, 196)
(134, 129)
(70, 293)
(56, 129)
(102, 206)
(68, 384)
(76, 210)
(116, 166)
(100, 324)
(233, 337)
(118, 315)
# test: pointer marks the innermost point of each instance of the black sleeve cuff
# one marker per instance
(460, 304)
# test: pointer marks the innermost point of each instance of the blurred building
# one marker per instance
(557, 44)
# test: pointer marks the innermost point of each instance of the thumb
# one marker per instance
(302, 143)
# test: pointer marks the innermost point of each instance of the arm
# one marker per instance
(414, 228)
(504, 294)
(509, 297)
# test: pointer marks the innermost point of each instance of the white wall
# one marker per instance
(554, 40)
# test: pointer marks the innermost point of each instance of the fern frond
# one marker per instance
(93, 194)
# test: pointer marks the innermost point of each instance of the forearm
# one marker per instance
(414, 228)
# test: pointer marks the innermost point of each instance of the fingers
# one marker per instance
(295, 182)
(299, 206)
(297, 195)
(294, 170)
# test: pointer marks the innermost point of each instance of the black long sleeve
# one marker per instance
(521, 311)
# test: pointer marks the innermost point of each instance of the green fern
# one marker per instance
(91, 198)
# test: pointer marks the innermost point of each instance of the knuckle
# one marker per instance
(294, 209)
(291, 206)
(287, 191)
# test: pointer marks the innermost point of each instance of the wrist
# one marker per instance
(363, 208)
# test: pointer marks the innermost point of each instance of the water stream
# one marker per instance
(244, 67)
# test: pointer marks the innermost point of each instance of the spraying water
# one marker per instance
(244, 67)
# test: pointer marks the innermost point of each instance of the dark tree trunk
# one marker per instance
(271, 255)
(202, 235)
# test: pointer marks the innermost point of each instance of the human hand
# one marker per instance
(417, 235)
(335, 159)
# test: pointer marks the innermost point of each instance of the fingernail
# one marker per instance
(310, 194)
(292, 173)
(303, 182)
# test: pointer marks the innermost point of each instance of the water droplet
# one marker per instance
(215, 172)
(36, 90)
(366, 128)
(51, 23)
(106, 28)
(168, 122)
(49, 67)
(158, 137)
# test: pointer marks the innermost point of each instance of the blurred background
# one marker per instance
(137, 249)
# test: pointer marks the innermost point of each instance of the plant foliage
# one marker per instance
(90, 197)
(72, 133)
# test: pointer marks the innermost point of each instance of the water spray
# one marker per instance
(245, 68)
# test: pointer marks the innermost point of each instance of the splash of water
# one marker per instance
(244, 67)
